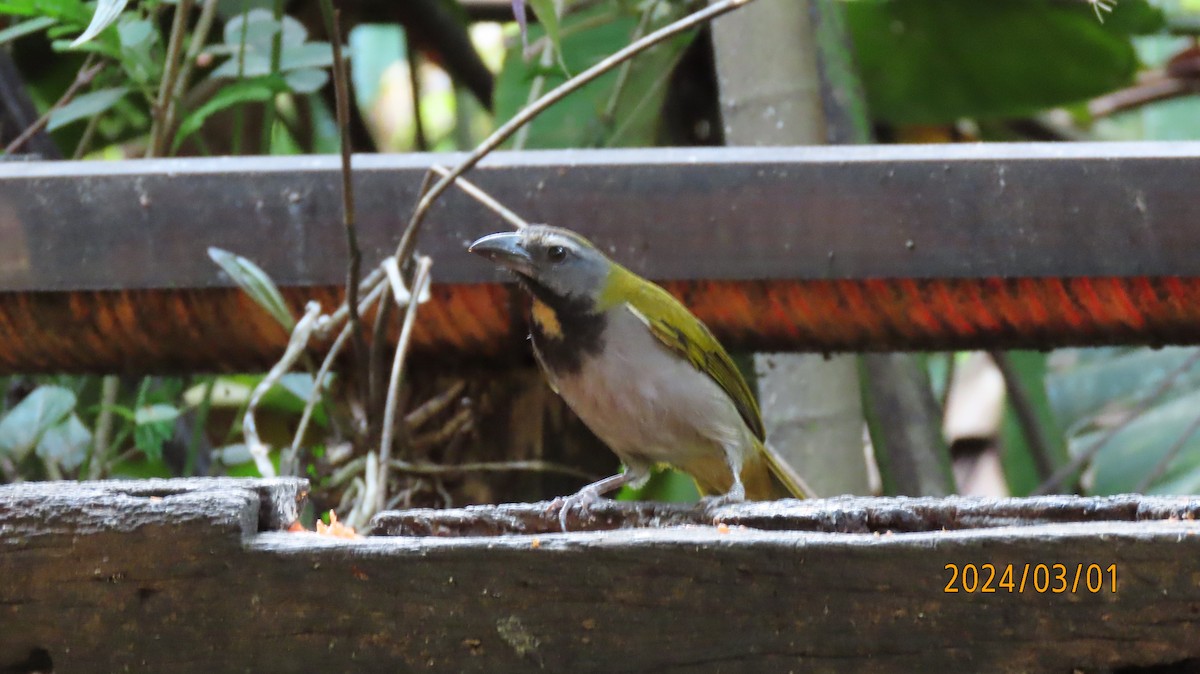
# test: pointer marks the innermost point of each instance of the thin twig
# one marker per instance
(295, 348)
(420, 281)
(166, 88)
(545, 60)
(432, 407)
(85, 140)
(408, 240)
(421, 141)
(319, 379)
(1153, 90)
(484, 198)
(1022, 404)
(451, 428)
(662, 80)
(269, 110)
(87, 73)
(202, 412)
(374, 280)
(208, 14)
(287, 465)
(354, 253)
(364, 507)
(1163, 463)
(378, 399)
(610, 110)
(110, 385)
(1084, 457)
(350, 495)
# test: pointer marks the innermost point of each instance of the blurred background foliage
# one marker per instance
(252, 77)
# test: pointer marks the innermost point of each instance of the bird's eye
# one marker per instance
(556, 253)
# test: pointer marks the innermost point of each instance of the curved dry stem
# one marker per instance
(296, 347)
(408, 240)
(419, 288)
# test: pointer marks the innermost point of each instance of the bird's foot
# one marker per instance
(711, 503)
(583, 499)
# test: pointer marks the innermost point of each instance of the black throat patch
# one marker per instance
(564, 330)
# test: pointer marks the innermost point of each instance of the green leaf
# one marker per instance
(24, 425)
(581, 120)
(666, 485)
(255, 282)
(288, 395)
(155, 425)
(135, 33)
(1133, 452)
(936, 61)
(260, 27)
(308, 55)
(66, 443)
(107, 11)
(254, 90)
(1016, 454)
(373, 49)
(86, 106)
(307, 81)
(24, 28)
(1087, 381)
(547, 12)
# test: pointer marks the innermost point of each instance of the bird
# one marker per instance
(643, 373)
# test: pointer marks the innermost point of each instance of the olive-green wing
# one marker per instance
(684, 334)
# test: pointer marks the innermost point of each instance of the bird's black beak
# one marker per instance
(505, 248)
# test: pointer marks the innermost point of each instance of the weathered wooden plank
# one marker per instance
(186, 582)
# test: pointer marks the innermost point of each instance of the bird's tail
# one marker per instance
(768, 476)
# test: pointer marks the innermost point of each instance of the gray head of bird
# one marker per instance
(552, 259)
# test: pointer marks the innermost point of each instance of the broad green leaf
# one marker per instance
(580, 120)
(1133, 452)
(547, 12)
(140, 58)
(252, 65)
(306, 81)
(1097, 379)
(254, 90)
(308, 55)
(255, 282)
(107, 11)
(24, 425)
(155, 425)
(260, 27)
(373, 49)
(936, 61)
(72, 11)
(66, 443)
(135, 33)
(19, 30)
(86, 106)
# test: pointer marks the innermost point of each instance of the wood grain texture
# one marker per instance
(109, 577)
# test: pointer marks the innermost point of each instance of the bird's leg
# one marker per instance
(736, 493)
(591, 493)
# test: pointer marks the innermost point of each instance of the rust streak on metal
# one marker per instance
(220, 329)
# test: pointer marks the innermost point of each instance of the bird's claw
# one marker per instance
(712, 503)
(583, 499)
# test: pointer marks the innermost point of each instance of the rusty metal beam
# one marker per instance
(103, 265)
